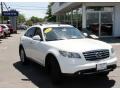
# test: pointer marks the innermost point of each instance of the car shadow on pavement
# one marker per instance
(36, 74)
(0, 41)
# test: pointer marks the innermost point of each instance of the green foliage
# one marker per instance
(29, 23)
(50, 17)
(36, 19)
(21, 18)
(33, 20)
(5, 18)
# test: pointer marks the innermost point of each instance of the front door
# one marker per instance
(38, 47)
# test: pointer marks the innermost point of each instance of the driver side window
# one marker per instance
(38, 32)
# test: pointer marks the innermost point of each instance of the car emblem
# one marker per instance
(98, 54)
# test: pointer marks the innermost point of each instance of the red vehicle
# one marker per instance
(10, 28)
(2, 32)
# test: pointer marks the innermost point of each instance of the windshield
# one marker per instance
(61, 33)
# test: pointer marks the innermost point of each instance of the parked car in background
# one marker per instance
(5, 29)
(10, 28)
(22, 27)
(2, 35)
(63, 49)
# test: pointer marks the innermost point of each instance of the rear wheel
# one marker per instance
(23, 57)
(3, 35)
(9, 35)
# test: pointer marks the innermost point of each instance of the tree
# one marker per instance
(4, 17)
(21, 18)
(50, 17)
(36, 19)
(29, 23)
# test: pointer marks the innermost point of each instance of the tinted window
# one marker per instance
(30, 33)
(51, 36)
(38, 32)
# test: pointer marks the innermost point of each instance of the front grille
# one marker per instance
(96, 54)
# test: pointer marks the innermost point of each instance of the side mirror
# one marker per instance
(37, 37)
(85, 34)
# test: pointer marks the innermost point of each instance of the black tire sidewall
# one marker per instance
(55, 72)
(25, 59)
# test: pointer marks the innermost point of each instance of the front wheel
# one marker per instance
(55, 71)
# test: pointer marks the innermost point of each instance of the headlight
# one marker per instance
(69, 54)
(112, 50)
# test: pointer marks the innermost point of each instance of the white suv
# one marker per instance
(63, 49)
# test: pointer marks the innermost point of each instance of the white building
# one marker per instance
(100, 18)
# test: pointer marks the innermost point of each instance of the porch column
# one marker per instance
(57, 18)
(116, 21)
(71, 17)
(83, 16)
(64, 18)
(77, 17)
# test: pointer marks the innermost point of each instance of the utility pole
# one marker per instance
(1, 13)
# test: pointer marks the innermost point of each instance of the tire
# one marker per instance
(3, 35)
(15, 32)
(55, 71)
(23, 57)
(9, 35)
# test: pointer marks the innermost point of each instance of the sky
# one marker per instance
(29, 9)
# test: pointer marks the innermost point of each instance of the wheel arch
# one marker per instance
(47, 60)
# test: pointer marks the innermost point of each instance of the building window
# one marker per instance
(99, 8)
(61, 3)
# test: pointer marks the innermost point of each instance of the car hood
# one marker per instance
(77, 45)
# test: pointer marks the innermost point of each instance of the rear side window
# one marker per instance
(30, 33)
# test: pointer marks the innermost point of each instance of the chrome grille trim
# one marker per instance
(96, 54)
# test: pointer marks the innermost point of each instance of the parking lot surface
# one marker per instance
(14, 74)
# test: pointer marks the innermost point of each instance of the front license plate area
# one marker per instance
(101, 66)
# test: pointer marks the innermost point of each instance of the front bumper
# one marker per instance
(74, 66)
(94, 71)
